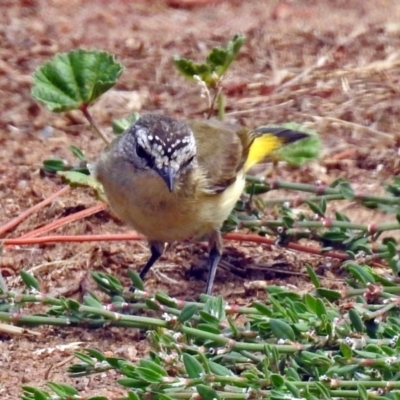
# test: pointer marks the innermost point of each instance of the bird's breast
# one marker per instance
(144, 202)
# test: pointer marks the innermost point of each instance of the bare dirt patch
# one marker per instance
(333, 65)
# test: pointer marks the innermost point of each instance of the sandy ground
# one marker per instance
(331, 65)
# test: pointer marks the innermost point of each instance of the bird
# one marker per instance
(173, 180)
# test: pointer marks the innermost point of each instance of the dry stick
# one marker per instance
(79, 238)
(16, 221)
(122, 237)
(65, 220)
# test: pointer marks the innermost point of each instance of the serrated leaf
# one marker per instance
(29, 280)
(207, 393)
(187, 312)
(281, 329)
(193, 367)
(190, 69)
(75, 79)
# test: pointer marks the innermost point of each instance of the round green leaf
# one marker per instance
(75, 79)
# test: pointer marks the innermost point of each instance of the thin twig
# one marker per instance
(16, 221)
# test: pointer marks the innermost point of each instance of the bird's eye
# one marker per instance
(144, 155)
(187, 162)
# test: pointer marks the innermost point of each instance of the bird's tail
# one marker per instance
(269, 139)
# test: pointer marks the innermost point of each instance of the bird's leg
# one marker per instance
(214, 251)
(156, 250)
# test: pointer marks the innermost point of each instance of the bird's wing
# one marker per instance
(222, 150)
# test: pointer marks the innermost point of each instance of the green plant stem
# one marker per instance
(320, 190)
(96, 129)
(325, 223)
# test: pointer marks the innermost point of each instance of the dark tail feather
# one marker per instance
(286, 135)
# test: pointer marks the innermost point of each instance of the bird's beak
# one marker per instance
(168, 175)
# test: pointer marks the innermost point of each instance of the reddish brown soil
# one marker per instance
(333, 65)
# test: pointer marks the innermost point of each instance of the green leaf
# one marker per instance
(346, 351)
(132, 396)
(356, 321)
(282, 330)
(209, 328)
(146, 363)
(62, 390)
(277, 381)
(137, 282)
(219, 369)
(207, 393)
(262, 308)
(92, 302)
(187, 312)
(98, 355)
(320, 308)
(121, 125)
(310, 302)
(85, 358)
(77, 152)
(37, 393)
(346, 190)
(29, 280)
(362, 391)
(313, 276)
(133, 383)
(193, 367)
(75, 79)
(149, 375)
(330, 295)
(292, 388)
(108, 282)
(315, 208)
(53, 165)
(190, 69)
(360, 272)
(79, 179)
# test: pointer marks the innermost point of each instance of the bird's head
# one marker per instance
(162, 145)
